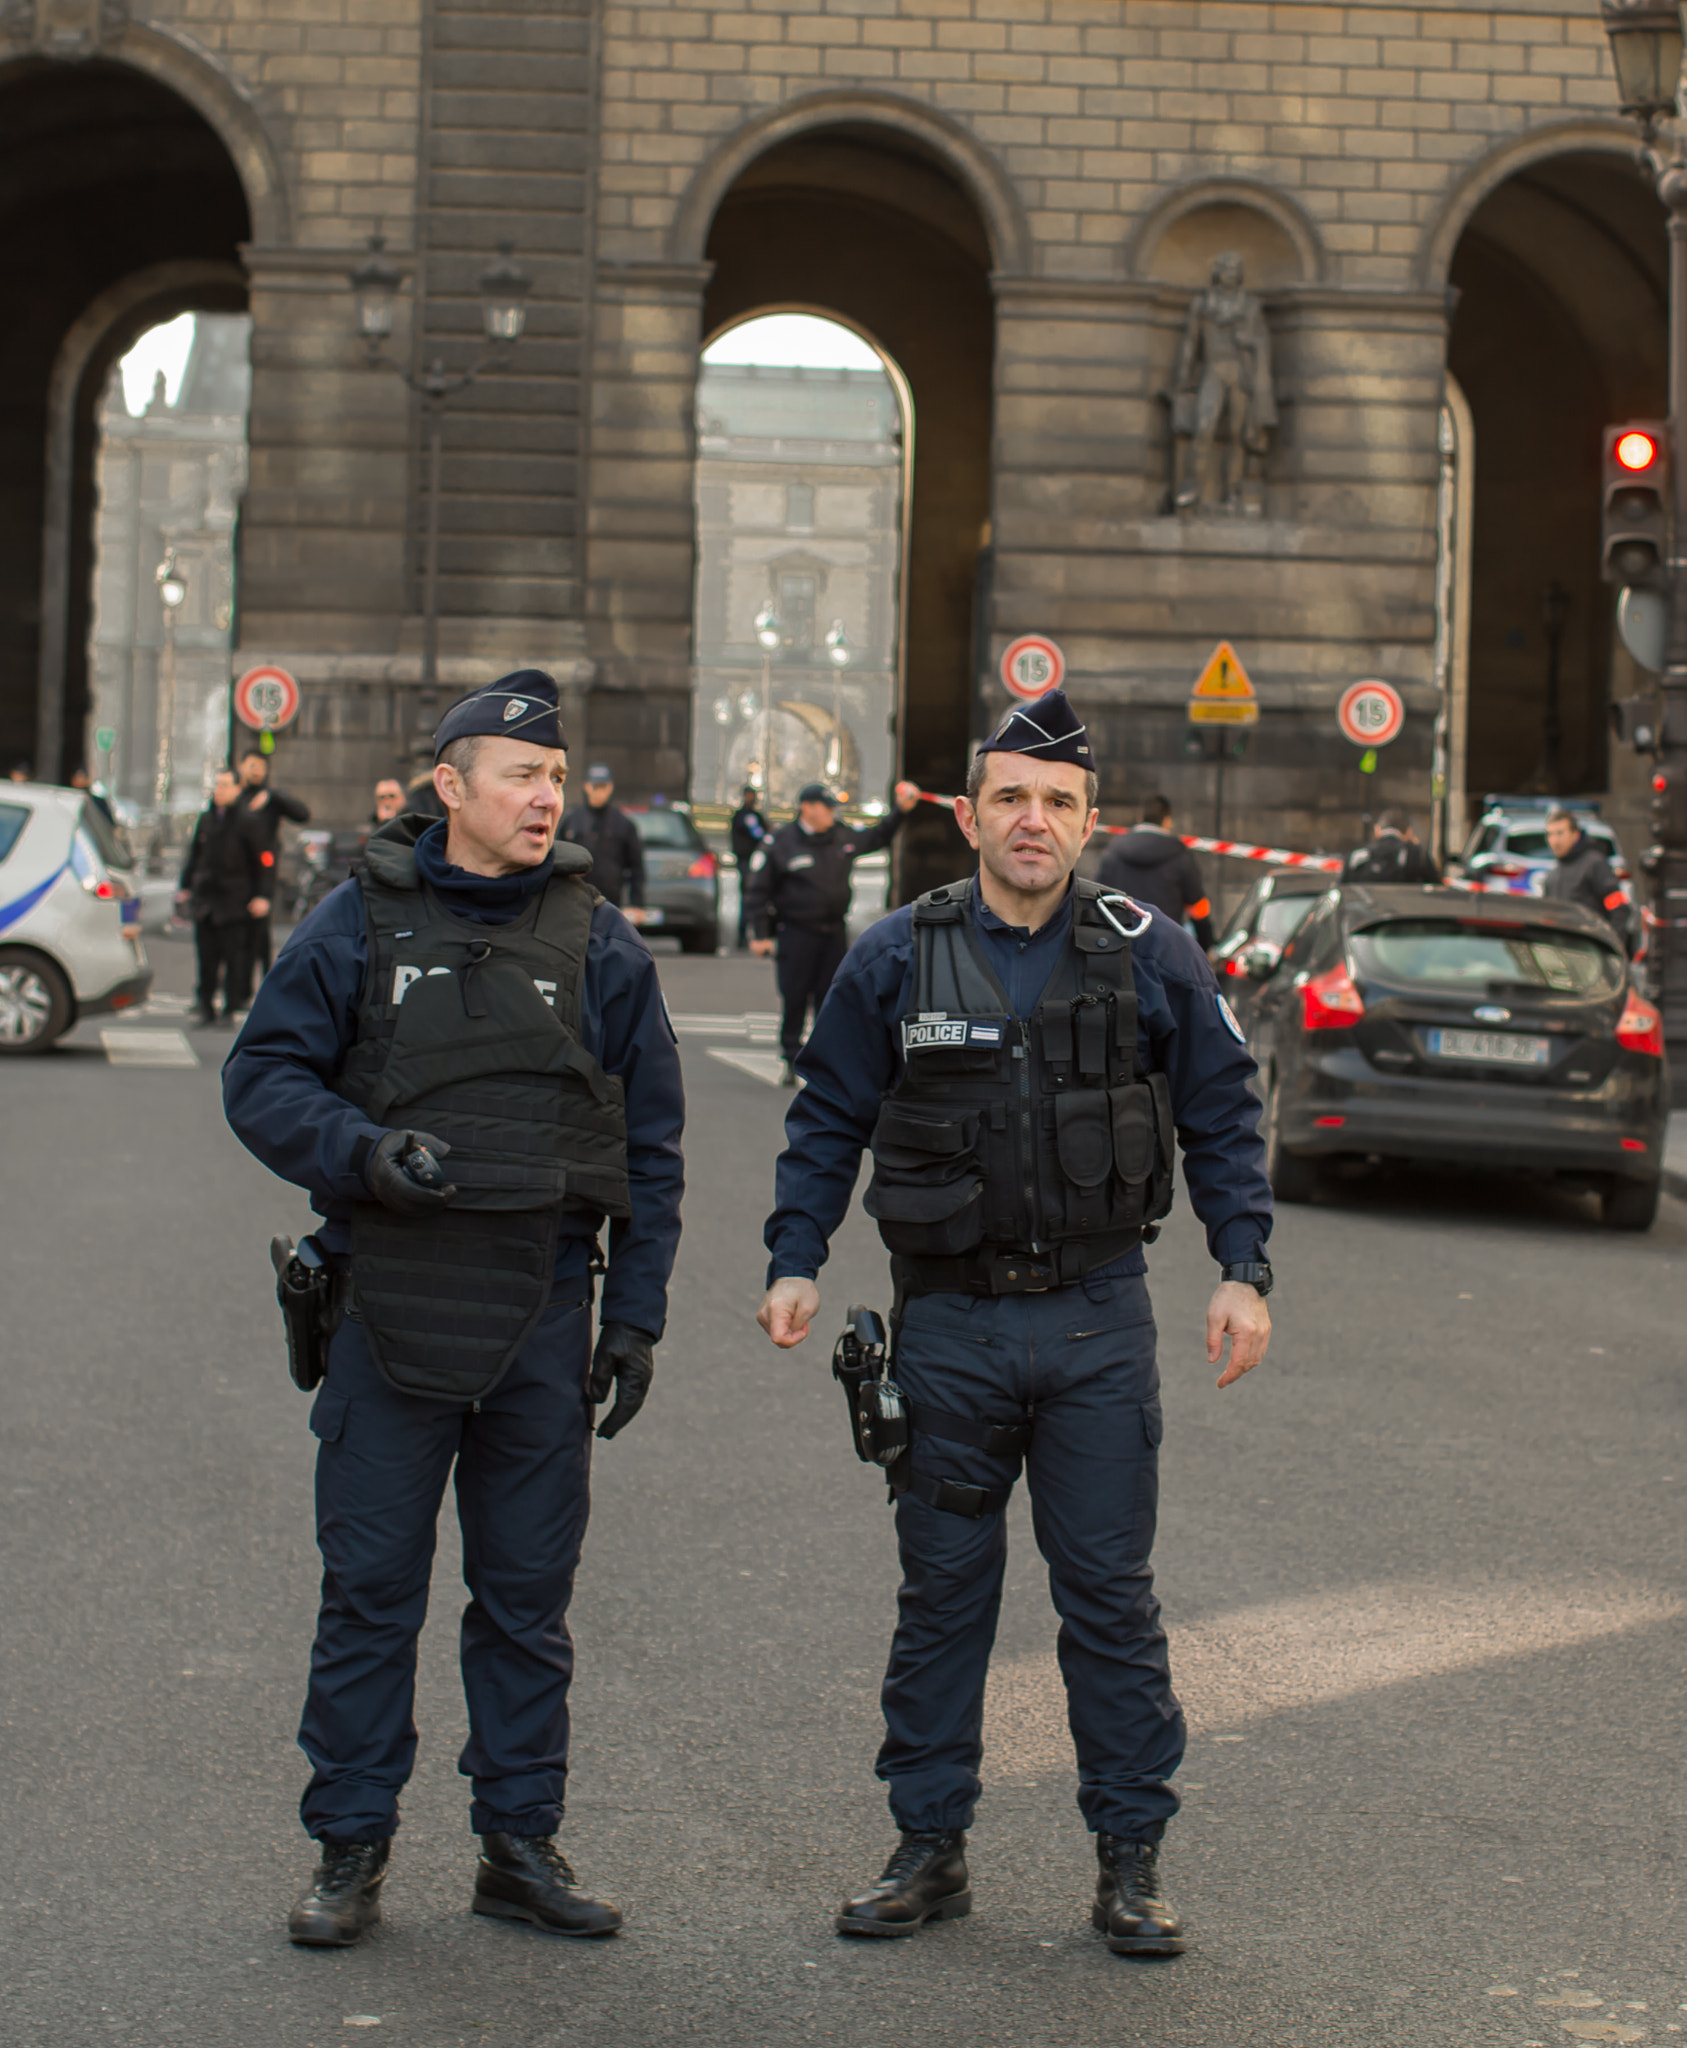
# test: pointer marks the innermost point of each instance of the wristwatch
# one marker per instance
(1254, 1273)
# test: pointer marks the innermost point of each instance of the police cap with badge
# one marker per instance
(1049, 729)
(522, 706)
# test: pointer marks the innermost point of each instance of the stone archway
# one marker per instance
(1560, 326)
(105, 174)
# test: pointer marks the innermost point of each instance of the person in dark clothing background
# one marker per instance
(82, 780)
(799, 890)
(749, 830)
(1583, 875)
(1152, 865)
(1392, 856)
(389, 801)
(266, 809)
(222, 884)
(611, 838)
(421, 799)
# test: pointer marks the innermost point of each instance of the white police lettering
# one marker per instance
(918, 1037)
(547, 989)
(513, 709)
(803, 860)
(1230, 1024)
(404, 976)
(984, 1034)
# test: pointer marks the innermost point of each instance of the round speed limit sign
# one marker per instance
(266, 697)
(1371, 714)
(1032, 664)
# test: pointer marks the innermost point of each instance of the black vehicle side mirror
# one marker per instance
(1259, 961)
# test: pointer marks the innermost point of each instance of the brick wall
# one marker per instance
(1365, 112)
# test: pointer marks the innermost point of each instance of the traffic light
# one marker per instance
(1669, 804)
(1634, 538)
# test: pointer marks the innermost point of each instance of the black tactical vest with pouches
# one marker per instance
(471, 1033)
(1036, 1136)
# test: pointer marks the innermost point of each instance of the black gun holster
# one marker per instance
(878, 1415)
(313, 1298)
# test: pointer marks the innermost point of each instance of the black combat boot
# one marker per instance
(925, 1879)
(527, 1877)
(1130, 1908)
(345, 1897)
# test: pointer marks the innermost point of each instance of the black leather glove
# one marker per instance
(623, 1355)
(404, 1175)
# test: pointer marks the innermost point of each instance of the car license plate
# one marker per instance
(1497, 1048)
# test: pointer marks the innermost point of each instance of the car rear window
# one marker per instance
(1280, 917)
(1446, 953)
(105, 836)
(665, 828)
(13, 818)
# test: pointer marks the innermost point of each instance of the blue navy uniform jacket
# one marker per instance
(854, 1055)
(278, 1090)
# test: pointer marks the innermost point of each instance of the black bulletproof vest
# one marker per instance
(472, 1033)
(1039, 1136)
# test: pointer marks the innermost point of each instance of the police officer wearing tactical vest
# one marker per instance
(1017, 1050)
(463, 1056)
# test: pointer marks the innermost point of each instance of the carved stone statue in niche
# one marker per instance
(1223, 404)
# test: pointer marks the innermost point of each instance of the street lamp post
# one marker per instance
(503, 311)
(838, 652)
(1646, 48)
(767, 638)
(172, 590)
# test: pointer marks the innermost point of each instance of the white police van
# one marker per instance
(70, 917)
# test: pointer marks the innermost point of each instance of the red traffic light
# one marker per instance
(1636, 450)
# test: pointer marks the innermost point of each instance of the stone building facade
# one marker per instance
(1015, 198)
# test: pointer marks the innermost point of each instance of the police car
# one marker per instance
(70, 917)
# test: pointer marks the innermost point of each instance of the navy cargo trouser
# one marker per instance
(1081, 1360)
(523, 1461)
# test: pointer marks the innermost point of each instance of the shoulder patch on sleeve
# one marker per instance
(1229, 1017)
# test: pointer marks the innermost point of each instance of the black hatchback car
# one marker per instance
(1429, 1024)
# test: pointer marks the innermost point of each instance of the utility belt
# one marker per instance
(992, 1269)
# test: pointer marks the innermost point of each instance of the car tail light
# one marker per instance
(1234, 965)
(1640, 1028)
(1506, 869)
(702, 868)
(1634, 1144)
(1329, 1123)
(1331, 1002)
(122, 1002)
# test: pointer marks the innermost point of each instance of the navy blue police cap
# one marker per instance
(524, 706)
(1050, 729)
(816, 793)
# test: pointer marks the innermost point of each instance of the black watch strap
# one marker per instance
(1254, 1273)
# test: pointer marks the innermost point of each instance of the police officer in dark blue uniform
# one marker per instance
(1017, 1050)
(464, 1057)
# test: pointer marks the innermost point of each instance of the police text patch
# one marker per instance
(921, 1037)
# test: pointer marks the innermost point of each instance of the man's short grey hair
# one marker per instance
(462, 755)
(981, 767)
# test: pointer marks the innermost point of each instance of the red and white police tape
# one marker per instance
(1315, 863)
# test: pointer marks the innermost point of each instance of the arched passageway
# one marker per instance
(104, 175)
(1561, 326)
(861, 221)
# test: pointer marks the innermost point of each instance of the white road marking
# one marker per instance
(757, 1026)
(761, 1066)
(132, 1048)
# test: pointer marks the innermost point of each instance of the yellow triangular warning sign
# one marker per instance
(1223, 694)
(1223, 676)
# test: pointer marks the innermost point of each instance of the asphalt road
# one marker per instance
(1423, 1573)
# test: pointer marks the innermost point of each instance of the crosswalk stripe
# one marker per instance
(131, 1048)
(760, 1066)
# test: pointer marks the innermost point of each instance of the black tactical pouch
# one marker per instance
(927, 1195)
